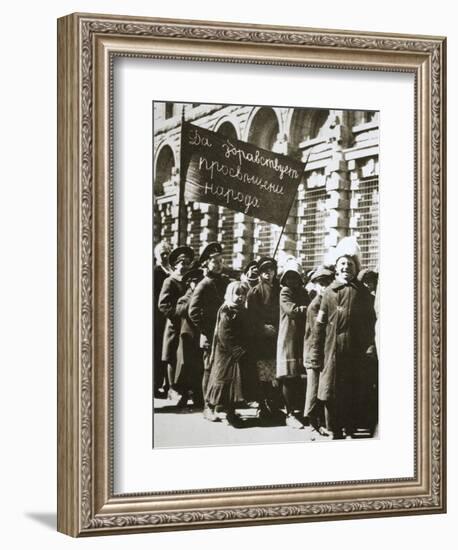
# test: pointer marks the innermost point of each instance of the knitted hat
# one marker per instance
(348, 246)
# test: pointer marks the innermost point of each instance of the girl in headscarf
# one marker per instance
(290, 342)
(229, 355)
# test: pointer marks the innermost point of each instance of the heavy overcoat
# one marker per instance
(189, 368)
(290, 343)
(343, 334)
(159, 276)
(171, 291)
(264, 311)
(229, 358)
(207, 298)
(312, 314)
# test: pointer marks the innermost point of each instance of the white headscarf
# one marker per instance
(231, 290)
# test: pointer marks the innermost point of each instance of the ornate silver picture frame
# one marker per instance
(88, 503)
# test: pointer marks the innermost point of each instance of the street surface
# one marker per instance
(174, 427)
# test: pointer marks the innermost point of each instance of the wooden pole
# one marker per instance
(292, 202)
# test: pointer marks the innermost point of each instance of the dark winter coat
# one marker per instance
(264, 309)
(171, 291)
(207, 298)
(343, 334)
(228, 358)
(189, 368)
(159, 276)
(290, 344)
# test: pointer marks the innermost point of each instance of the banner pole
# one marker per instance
(279, 238)
(181, 212)
(292, 202)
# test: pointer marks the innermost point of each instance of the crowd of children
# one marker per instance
(300, 350)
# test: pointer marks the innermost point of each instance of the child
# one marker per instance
(172, 289)
(189, 369)
(229, 355)
(263, 308)
(321, 278)
(290, 343)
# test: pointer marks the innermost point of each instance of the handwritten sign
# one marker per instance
(240, 176)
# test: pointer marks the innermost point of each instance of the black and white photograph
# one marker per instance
(266, 232)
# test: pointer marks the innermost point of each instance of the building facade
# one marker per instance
(338, 195)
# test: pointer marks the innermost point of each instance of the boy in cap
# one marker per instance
(321, 278)
(206, 300)
(179, 259)
(343, 334)
(263, 309)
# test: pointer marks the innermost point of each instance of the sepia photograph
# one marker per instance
(251, 219)
(265, 276)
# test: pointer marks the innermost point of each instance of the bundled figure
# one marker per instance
(229, 355)
(290, 344)
(206, 300)
(172, 289)
(189, 369)
(264, 310)
(321, 278)
(343, 336)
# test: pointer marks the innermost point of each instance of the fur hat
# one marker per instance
(348, 246)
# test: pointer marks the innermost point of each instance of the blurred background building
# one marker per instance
(338, 195)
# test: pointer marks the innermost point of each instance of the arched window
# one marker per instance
(263, 131)
(264, 128)
(163, 172)
(227, 129)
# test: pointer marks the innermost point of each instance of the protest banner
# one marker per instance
(238, 175)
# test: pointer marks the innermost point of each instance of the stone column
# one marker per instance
(243, 240)
(337, 182)
(208, 224)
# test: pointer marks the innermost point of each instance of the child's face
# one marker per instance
(345, 268)
(162, 255)
(215, 264)
(181, 267)
(239, 297)
(268, 275)
(321, 285)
